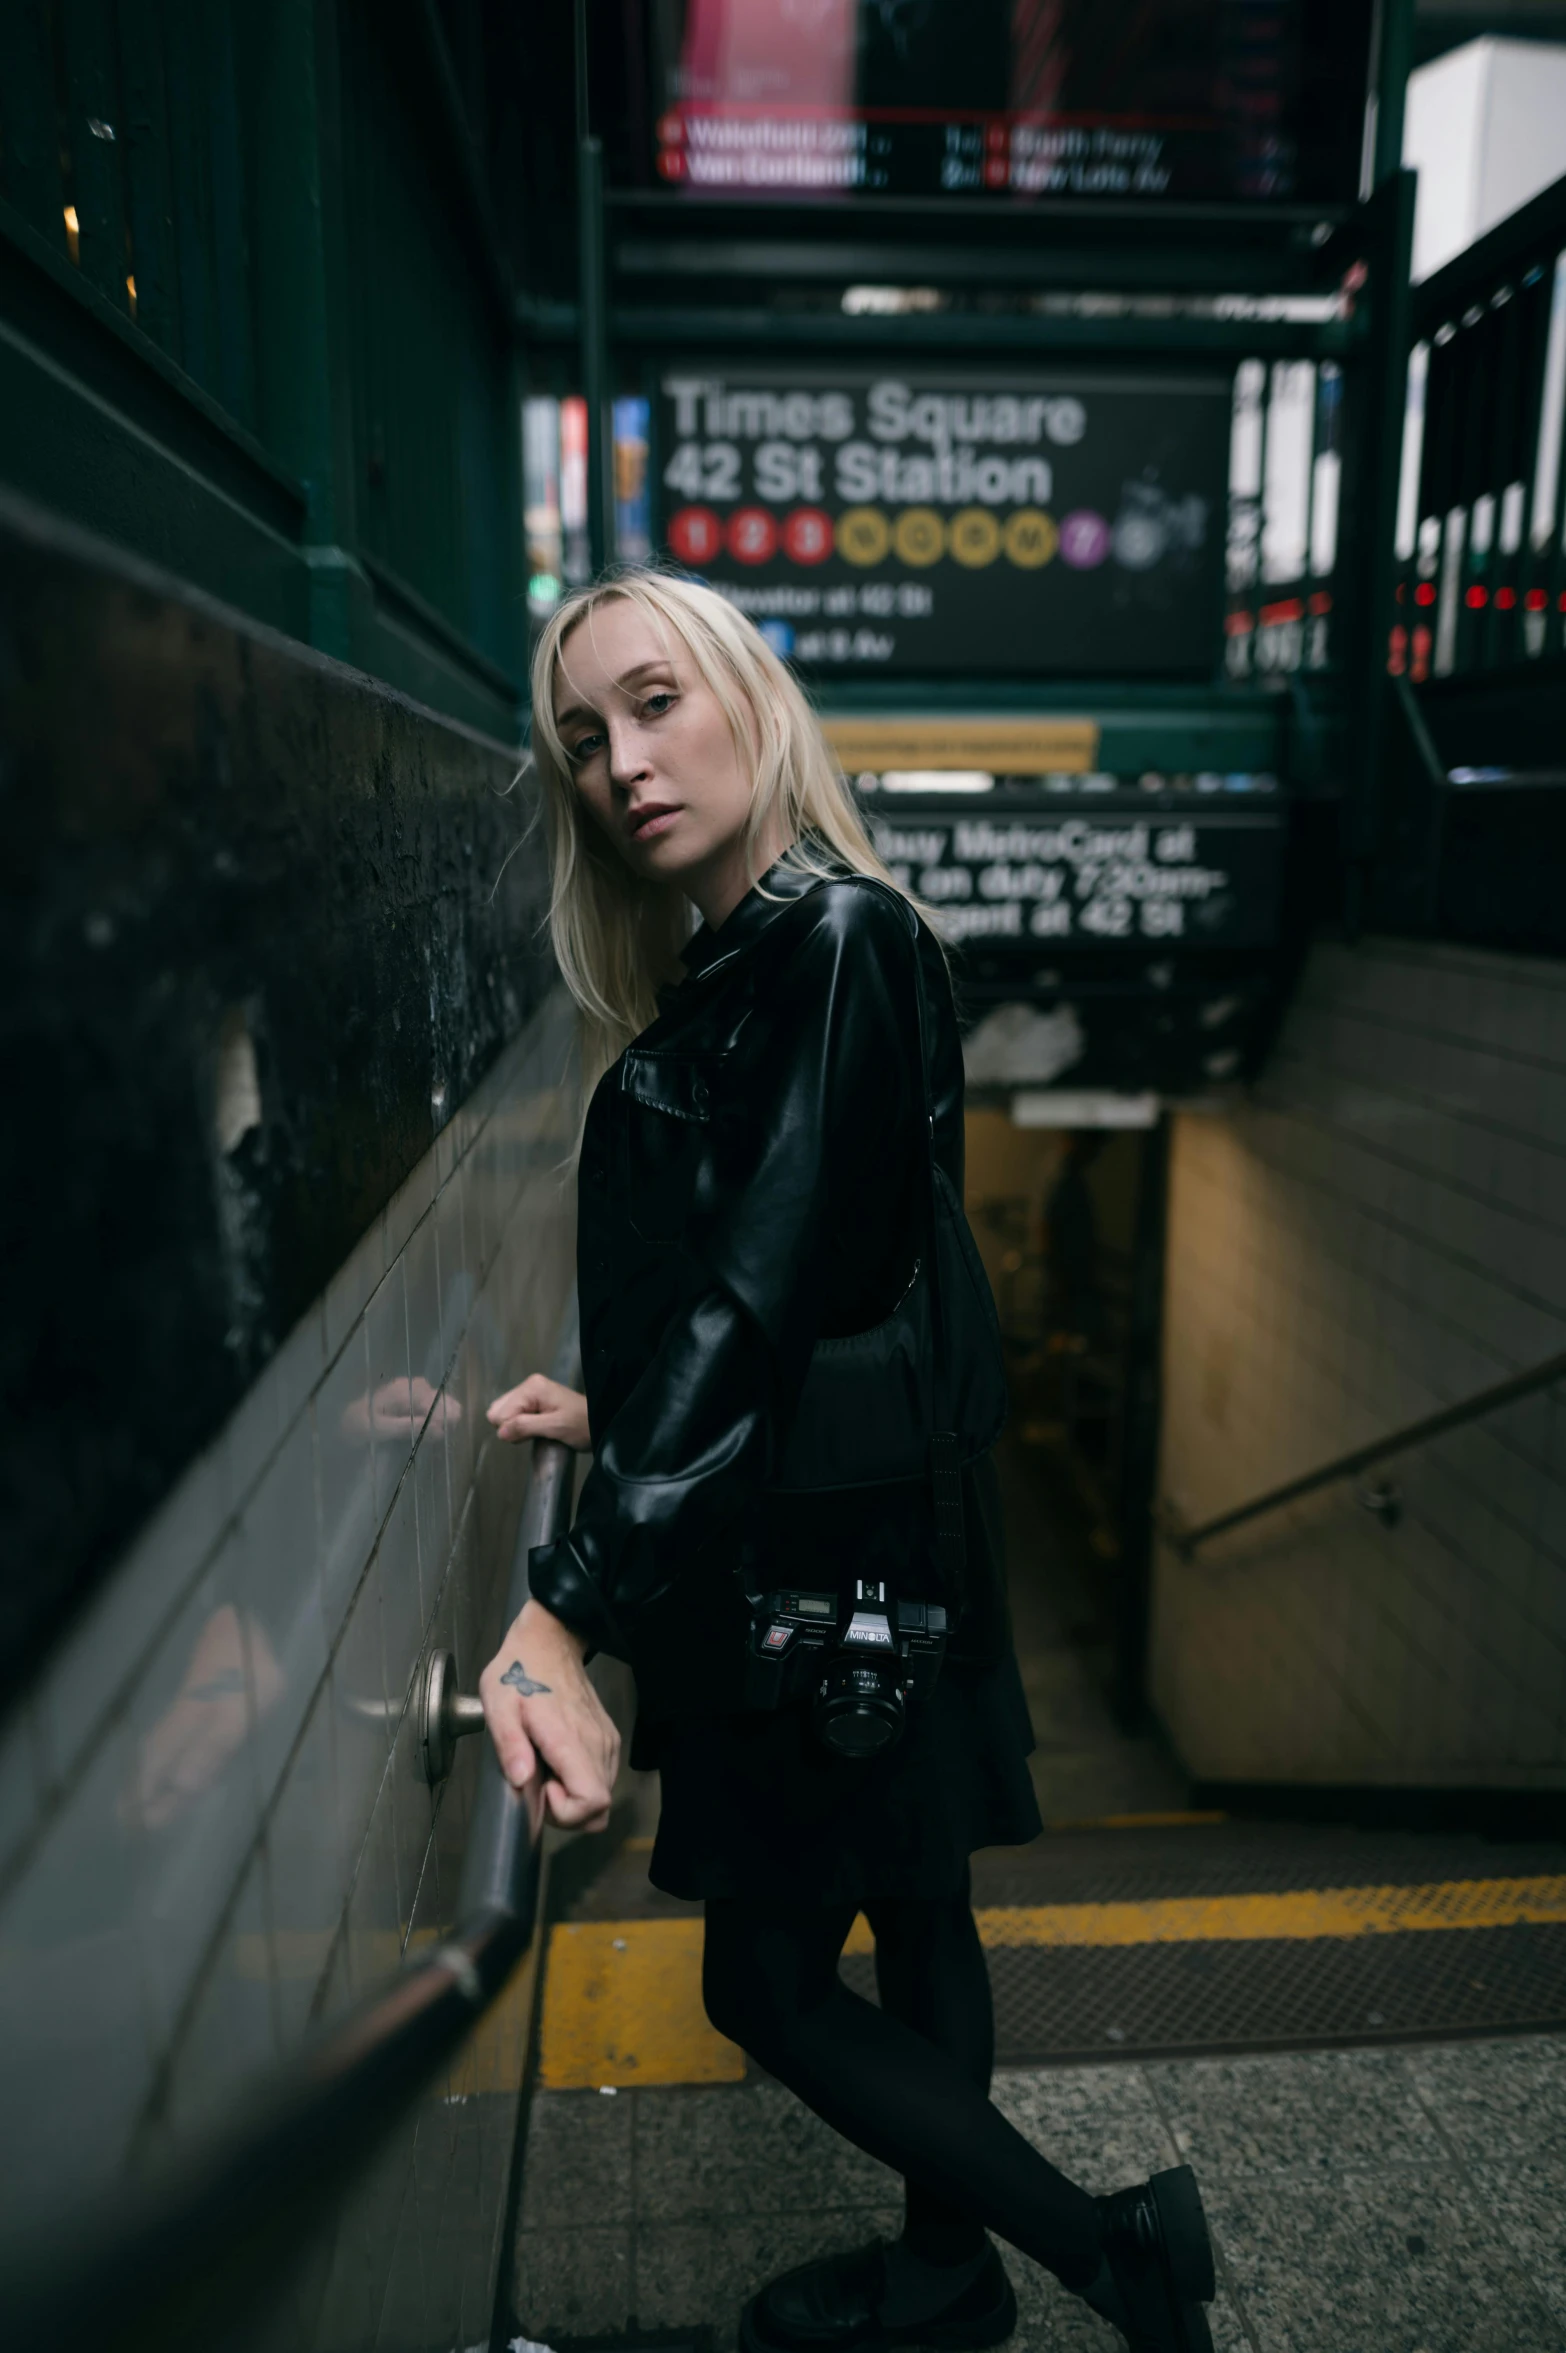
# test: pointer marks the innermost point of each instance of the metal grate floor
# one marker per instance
(1146, 2000)
(1143, 2000)
(1242, 1858)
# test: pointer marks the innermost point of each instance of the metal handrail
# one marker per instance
(1451, 1417)
(161, 2264)
(1532, 233)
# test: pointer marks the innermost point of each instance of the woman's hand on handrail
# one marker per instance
(541, 1408)
(541, 1708)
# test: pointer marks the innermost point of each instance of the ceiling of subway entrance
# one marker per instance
(1440, 25)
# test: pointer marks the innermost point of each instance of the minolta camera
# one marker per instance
(856, 1660)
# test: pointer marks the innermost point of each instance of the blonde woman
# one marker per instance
(754, 1179)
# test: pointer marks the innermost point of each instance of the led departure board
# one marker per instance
(1251, 100)
(988, 524)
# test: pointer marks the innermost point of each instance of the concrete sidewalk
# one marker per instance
(1400, 2200)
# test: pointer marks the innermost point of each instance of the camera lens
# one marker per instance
(859, 1709)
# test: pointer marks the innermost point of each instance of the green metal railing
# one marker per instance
(435, 400)
(256, 240)
(1482, 560)
(123, 149)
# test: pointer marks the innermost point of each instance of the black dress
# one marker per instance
(751, 1181)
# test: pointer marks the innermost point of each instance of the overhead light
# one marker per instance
(1082, 1107)
(890, 301)
(937, 780)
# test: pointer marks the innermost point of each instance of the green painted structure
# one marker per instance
(256, 323)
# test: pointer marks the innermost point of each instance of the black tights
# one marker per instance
(908, 2082)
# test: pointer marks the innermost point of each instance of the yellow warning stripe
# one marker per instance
(1301, 1912)
(622, 1998)
(622, 2006)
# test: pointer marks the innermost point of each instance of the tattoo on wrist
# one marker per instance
(520, 1680)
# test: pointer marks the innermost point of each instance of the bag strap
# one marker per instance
(951, 1546)
(927, 1106)
(951, 1543)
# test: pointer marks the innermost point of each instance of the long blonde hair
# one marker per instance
(617, 937)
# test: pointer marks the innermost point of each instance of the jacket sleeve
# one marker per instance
(827, 1109)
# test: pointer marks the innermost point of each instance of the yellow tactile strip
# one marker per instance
(622, 1998)
(622, 2005)
(1301, 1912)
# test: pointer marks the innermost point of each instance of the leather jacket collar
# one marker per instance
(706, 949)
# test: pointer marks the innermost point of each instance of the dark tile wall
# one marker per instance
(214, 1833)
(263, 927)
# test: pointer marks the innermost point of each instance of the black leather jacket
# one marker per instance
(751, 1180)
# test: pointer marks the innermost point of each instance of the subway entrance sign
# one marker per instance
(894, 522)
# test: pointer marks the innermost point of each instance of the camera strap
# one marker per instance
(951, 1548)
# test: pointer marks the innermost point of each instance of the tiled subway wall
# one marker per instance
(1379, 1233)
(214, 1828)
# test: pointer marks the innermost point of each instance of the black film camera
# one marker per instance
(855, 1660)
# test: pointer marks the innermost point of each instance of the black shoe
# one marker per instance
(834, 2304)
(1158, 2265)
